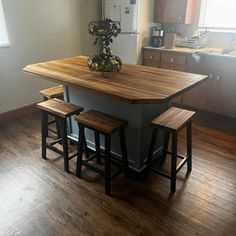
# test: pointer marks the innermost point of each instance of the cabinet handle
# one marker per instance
(211, 76)
(172, 59)
(151, 57)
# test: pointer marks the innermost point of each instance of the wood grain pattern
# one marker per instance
(100, 121)
(52, 92)
(38, 198)
(173, 119)
(135, 83)
(60, 108)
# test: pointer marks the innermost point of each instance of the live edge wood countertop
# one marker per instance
(134, 83)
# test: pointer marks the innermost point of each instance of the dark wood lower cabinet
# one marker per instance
(195, 97)
(217, 94)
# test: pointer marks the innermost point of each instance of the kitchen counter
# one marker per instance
(134, 84)
(175, 49)
(136, 94)
(209, 51)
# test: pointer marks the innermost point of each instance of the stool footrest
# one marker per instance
(179, 156)
(51, 121)
(73, 155)
(181, 164)
(100, 171)
(55, 142)
(54, 149)
(160, 173)
(117, 173)
(92, 167)
(52, 130)
(114, 160)
(90, 158)
(59, 151)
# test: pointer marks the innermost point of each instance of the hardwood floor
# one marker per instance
(38, 198)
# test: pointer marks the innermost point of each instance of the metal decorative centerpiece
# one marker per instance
(104, 30)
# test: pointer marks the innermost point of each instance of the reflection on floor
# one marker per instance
(38, 198)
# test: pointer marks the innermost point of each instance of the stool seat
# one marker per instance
(59, 108)
(174, 119)
(102, 122)
(52, 92)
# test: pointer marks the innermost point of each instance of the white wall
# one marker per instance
(41, 30)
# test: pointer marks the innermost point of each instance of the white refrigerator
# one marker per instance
(135, 17)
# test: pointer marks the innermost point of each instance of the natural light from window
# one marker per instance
(3, 31)
(218, 14)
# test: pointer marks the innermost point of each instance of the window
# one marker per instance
(3, 31)
(218, 15)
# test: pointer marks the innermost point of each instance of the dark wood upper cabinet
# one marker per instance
(175, 11)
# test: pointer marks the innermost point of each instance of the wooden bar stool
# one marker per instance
(61, 111)
(49, 93)
(172, 121)
(52, 92)
(105, 124)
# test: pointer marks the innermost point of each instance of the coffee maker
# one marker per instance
(157, 37)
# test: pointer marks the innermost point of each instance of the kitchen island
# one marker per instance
(136, 94)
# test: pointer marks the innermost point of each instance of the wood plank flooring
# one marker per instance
(38, 198)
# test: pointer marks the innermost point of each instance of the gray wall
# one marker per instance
(41, 30)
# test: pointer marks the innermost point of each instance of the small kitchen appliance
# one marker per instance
(157, 38)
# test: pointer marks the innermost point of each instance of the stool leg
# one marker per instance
(166, 144)
(124, 150)
(189, 147)
(63, 126)
(85, 148)
(58, 130)
(80, 151)
(152, 145)
(44, 132)
(97, 144)
(45, 99)
(107, 165)
(173, 162)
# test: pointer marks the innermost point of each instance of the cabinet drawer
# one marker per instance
(171, 66)
(173, 58)
(151, 55)
(151, 63)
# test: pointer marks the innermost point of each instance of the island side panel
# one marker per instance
(138, 131)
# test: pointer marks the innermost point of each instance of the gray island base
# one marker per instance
(138, 130)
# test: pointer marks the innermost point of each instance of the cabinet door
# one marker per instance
(221, 89)
(171, 66)
(175, 11)
(173, 61)
(218, 93)
(196, 97)
(151, 58)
